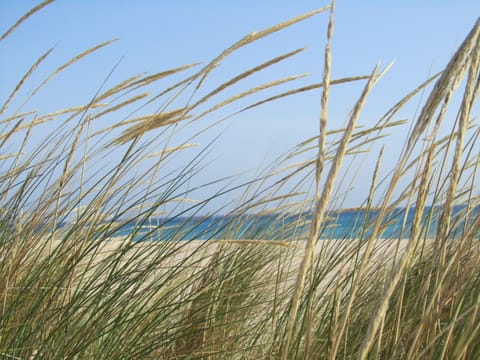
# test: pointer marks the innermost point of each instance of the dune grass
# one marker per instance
(71, 288)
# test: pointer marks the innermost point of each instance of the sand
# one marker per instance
(192, 256)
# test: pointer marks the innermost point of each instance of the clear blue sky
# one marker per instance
(155, 35)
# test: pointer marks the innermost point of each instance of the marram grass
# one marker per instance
(71, 288)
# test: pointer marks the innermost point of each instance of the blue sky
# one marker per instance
(156, 35)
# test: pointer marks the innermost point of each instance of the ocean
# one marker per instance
(343, 224)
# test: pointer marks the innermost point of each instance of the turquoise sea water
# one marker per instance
(344, 224)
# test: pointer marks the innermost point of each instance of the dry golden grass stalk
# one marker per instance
(462, 128)
(305, 88)
(323, 106)
(400, 104)
(363, 133)
(447, 140)
(246, 74)
(254, 37)
(25, 17)
(68, 63)
(249, 92)
(302, 147)
(9, 156)
(123, 123)
(133, 83)
(150, 123)
(321, 201)
(17, 116)
(122, 104)
(321, 206)
(63, 180)
(454, 70)
(160, 75)
(117, 88)
(10, 133)
(184, 200)
(52, 116)
(171, 150)
(24, 78)
(73, 147)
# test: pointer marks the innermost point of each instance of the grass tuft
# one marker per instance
(106, 252)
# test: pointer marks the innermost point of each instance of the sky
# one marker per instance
(420, 36)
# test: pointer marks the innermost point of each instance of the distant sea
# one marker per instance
(342, 224)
